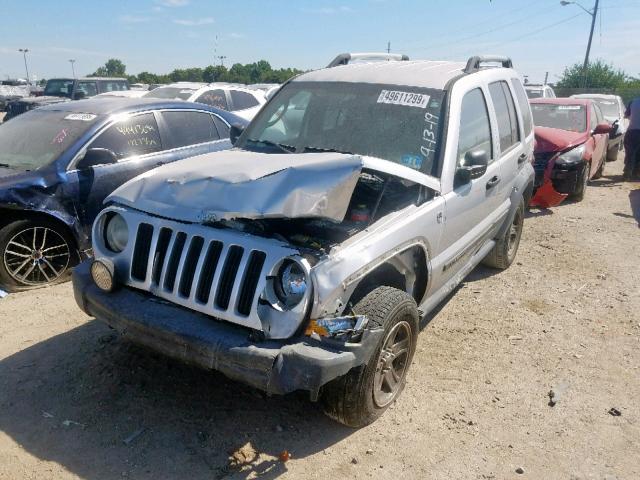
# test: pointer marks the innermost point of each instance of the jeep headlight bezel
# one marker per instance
(116, 232)
(291, 283)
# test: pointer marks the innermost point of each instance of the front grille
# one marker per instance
(207, 274)
(540, 162)
(17, 108)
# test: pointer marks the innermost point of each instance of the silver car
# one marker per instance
(303, 259)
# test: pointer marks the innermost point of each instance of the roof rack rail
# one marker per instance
(346, 58)
(473, 64)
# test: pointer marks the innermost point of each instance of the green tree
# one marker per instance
(599, 75)
(113, 68)
(217, 73)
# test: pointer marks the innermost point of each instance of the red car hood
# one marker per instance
(557, 140)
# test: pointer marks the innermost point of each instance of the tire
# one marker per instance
(362, 395)
(612, 154)
(22, 266)
(504, 252)
(581, 188)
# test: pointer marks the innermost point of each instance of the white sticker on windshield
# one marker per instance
(569, 107)
(406, 99)
(84, 117)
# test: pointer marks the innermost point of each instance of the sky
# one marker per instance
(161, 35)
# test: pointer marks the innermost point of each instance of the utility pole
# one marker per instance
(586, 57)
(546, 77)
(594, 14)
(221, 58)
(388, 47)
(72, 61)
(24, 54)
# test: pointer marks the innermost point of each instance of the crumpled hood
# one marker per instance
(241, 184)
(557, 140)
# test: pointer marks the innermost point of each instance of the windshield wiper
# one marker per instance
(284, 148)
(320, 149)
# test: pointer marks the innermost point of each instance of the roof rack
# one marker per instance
(474, 63)
(346, 58)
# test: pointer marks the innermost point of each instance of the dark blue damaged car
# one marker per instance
(59, 162)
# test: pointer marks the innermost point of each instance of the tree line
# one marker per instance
(257, 72)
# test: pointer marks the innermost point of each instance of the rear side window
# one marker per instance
(90, 89)
(223, 129)
(242, 100)
(113, 86)
(506, 115)
(137, 135)
(475, 127)
(190, 128)
(215, 98)
(523, 102)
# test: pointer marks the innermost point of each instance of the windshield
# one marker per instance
(609, 107)
(59, 88)
(534, 93)
(391, 122)
(171, 93)
(36, 138)
(564, 117)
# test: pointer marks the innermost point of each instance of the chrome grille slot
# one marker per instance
(228, 276)
(250, 282)
(141, 252)
(189, 267)
(174, 261)
(208, 271)
(160, 255)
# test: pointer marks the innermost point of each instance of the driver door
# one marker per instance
(137, 146)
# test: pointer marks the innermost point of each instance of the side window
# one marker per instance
(190, 128)
(594, 118)
(505, 113)
(113, 86)
(90, 89)
(242, 100)
(475, 127)
(215, 98)
(599, 114)
(137, 135)
(223, 129)
(523, 102)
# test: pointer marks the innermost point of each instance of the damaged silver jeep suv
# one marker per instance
(304, 258)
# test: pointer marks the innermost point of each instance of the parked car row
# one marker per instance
(355, 201)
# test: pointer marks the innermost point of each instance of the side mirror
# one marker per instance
(602, 128)
(78, 95)
(475, 166)
(97, 156)
(235, 132)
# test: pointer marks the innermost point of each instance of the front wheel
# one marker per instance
(504, 252)
(362, 395)
(34, 253)
(581, 188)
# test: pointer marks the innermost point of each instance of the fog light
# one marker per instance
(102, 276)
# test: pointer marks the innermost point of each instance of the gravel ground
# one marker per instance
(77, 402)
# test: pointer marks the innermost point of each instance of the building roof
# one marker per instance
(426, 74)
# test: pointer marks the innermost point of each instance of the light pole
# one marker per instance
(594, 14)
(72, 61)
(24, 54)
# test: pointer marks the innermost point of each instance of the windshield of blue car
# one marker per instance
(170, 93)
(37, 138)
(565, 117)
(59, 88)
(396, 123)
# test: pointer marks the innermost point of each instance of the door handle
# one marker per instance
(493, 182)
(522, 158)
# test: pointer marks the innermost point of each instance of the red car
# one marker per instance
(570, 149)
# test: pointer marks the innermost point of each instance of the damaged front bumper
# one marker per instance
(276, 367)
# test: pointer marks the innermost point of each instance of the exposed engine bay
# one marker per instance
(376, 195)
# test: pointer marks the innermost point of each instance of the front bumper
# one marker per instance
(277, 367)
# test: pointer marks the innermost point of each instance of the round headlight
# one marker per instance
(116, 233)
(291, 284)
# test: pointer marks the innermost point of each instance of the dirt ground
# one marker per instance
(77, 402)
